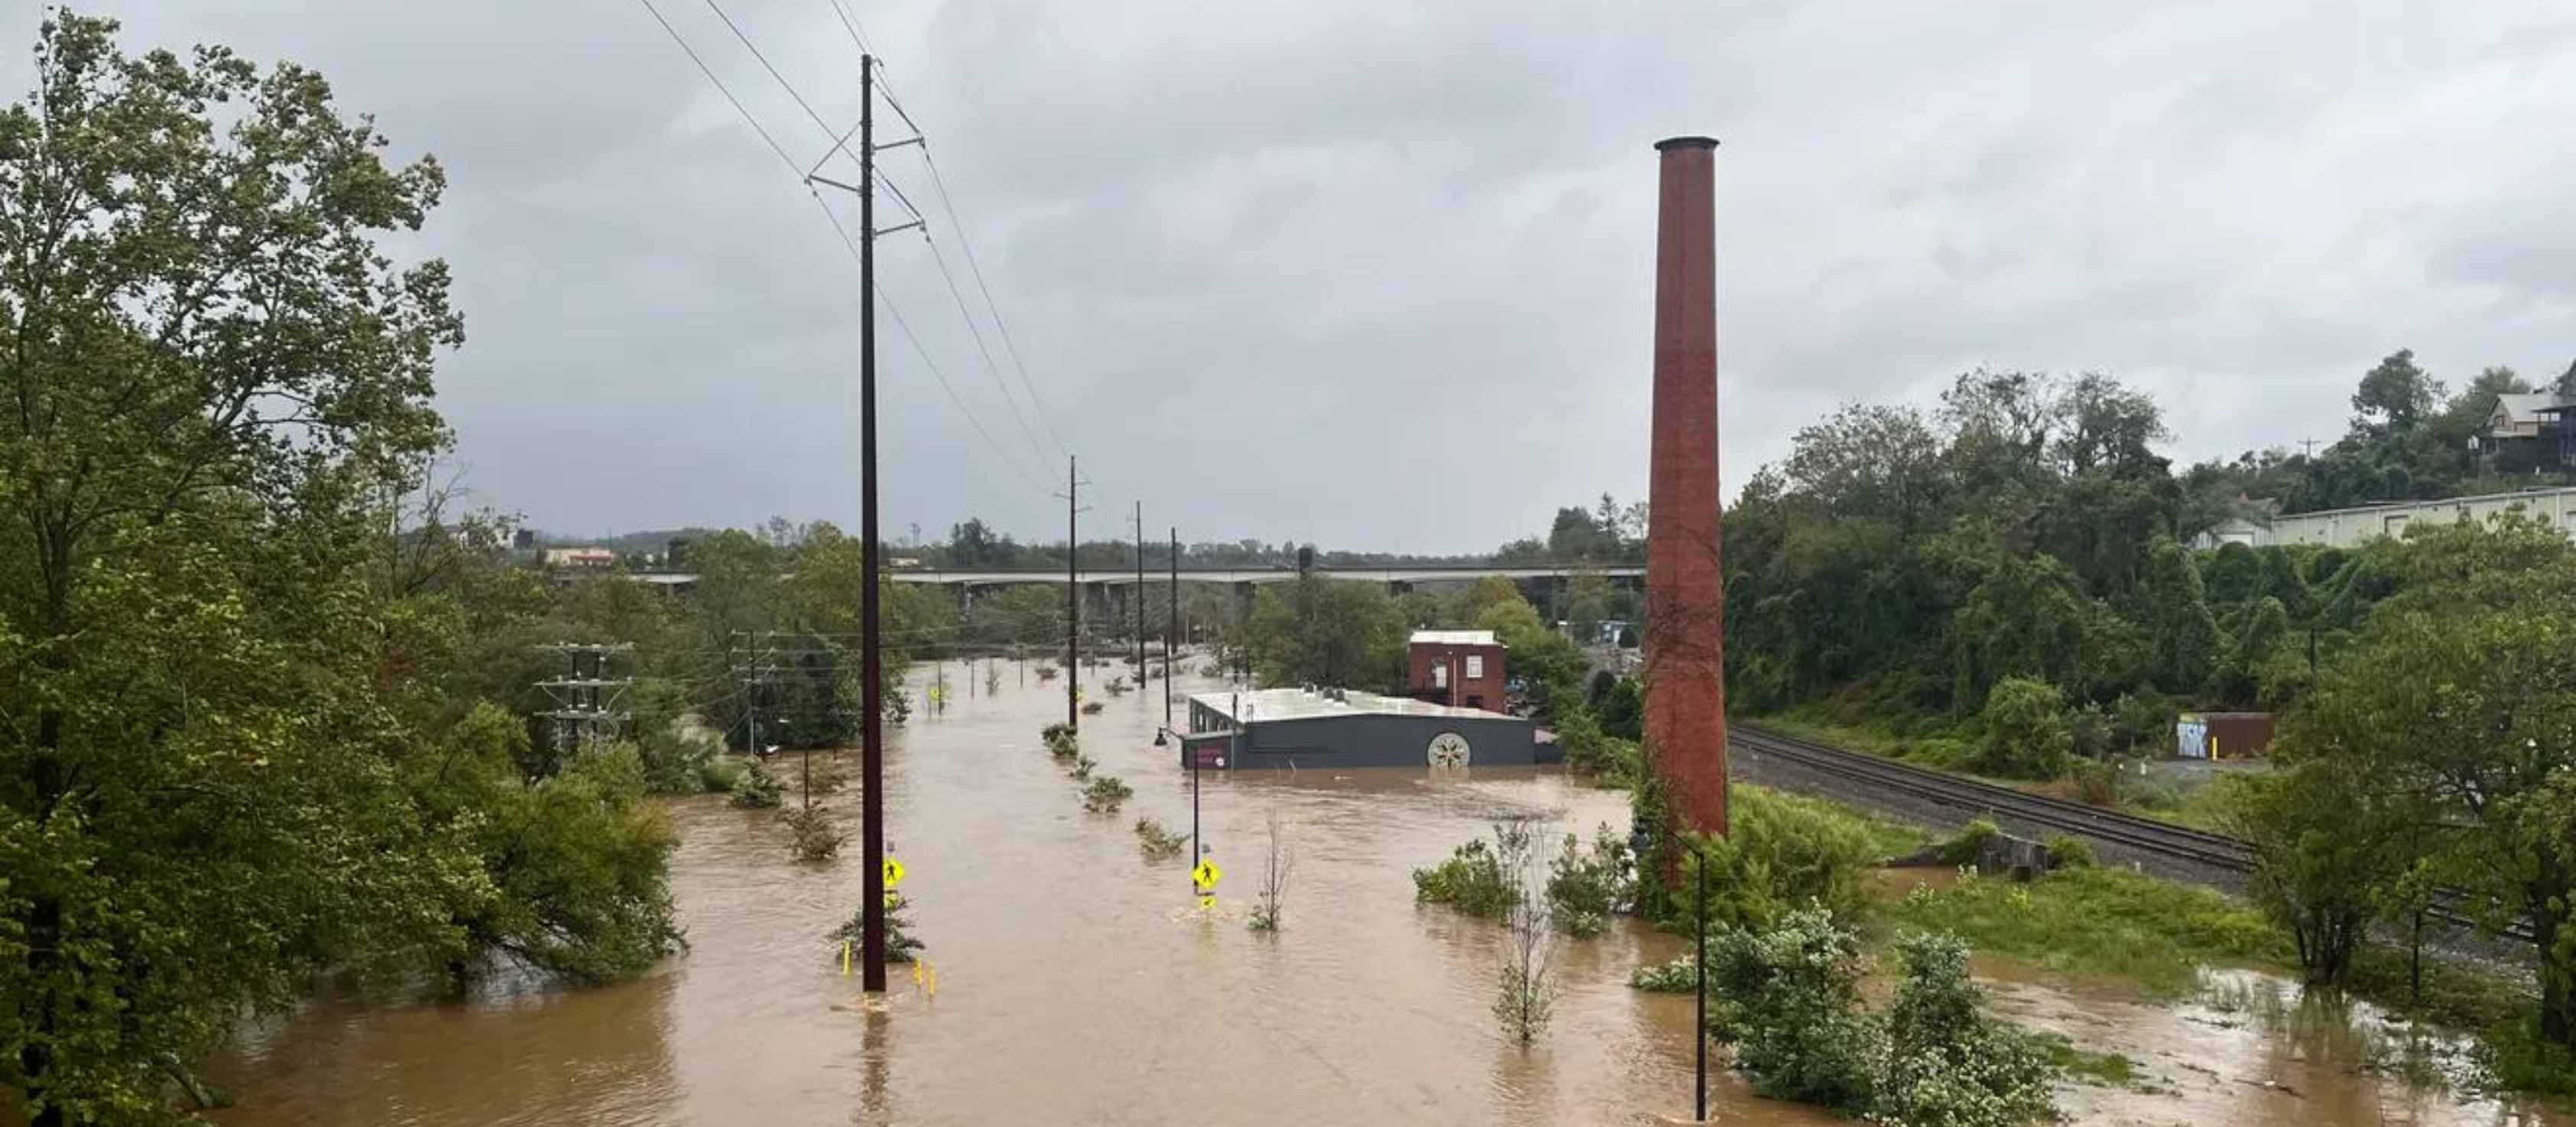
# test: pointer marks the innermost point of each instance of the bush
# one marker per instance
(1046, 673)
(1105, 794)
(1782, 852)
(1157, 842)
(900, 946)
(1942, 752)
(1680, 976)
(1970, 844)
(758, 789)
(1946, 1063)
(1471, 881)
(673, 763)
(718, 777)
(1060, 741)
(1587, 887)
(811, 834)
(1788, 998)
(1623, 711)
(2026, 734)
(1081, 769)
(2517, 1057)
(2067, 852)
(1091, 708)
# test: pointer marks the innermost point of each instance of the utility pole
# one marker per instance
(1140, 596)
(871, 669)
(1072, 597)
(1172, 630)
(871, 547)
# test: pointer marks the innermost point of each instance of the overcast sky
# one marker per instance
(1378, 274)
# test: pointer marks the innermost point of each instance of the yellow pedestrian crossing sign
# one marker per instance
(1205, 876)
(893, 872)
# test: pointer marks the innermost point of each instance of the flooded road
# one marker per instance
(1076, 982)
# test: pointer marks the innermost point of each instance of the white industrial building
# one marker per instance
(2349, 528)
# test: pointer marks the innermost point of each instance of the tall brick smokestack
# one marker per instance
(1685, 589)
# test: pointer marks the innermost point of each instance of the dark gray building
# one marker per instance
(1312, 728)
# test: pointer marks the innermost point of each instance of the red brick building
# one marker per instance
(1460, 668)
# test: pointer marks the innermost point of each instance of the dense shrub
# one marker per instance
(900, 945)
(1471, 881)
(1106, 794)
(716, 776)
(1946, 1062)
(1623, 711)
(1788, 998)
(758, 790)
(1781, 852)
(1157, 842)
(1970, 842)
(1588, 886)
(2026, 734)
(2068, 852)
(811, 834)
(673, 763)
(1679, 976)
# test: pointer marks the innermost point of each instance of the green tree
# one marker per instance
(215, 372)
(2459, 697)
(2394, 396)
(2184, 637)
(1323, 631)
(2026, 735)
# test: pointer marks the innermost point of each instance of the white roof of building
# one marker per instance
(1454, 638)
(1300, 704)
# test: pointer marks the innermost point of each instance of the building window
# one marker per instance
(1475, 666)
(1440, 676)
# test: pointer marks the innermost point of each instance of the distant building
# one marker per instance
(598, 558)
(1319, 728)
(2353, 526)
(2532, 431)
(1460, 668)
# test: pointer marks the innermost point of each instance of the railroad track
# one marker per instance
(1976, 797)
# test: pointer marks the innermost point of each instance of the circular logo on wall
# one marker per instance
(1448, 749)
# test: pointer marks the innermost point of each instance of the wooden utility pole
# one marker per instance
(1140, 594)
(1072, 597)
(1172, 630)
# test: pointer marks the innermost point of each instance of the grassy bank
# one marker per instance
(2099, 923)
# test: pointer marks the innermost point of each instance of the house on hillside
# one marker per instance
(2530, 431)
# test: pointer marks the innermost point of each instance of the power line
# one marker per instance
(1017, 470)
(1009, 346)
(783, 84)
(980, 348)
(721, 88)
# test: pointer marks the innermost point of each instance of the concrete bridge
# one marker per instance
(1106, 591)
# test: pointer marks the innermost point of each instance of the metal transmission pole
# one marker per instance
(587, 701)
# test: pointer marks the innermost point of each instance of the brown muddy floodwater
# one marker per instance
(1077, 984)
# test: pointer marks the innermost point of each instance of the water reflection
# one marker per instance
(1078, 982)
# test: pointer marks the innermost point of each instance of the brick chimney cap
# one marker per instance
(1694, 142)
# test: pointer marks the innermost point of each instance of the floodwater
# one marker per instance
(1077, 983)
